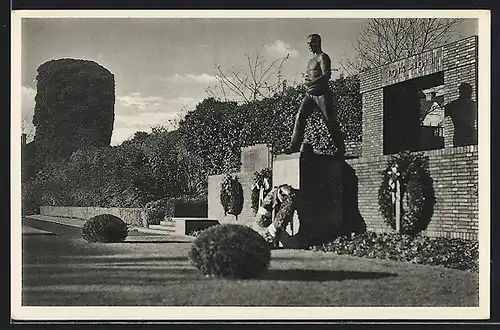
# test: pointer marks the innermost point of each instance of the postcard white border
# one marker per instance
(20, 313)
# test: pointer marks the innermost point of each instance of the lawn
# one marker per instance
(65, 270)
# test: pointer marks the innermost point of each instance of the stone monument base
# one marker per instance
(319, 180)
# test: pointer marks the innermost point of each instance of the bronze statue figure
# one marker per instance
(319, 96)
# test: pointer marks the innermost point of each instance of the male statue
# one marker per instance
(319, 96)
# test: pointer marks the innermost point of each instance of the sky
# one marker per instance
(163, 66)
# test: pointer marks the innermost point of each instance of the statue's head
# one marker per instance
(314, 42)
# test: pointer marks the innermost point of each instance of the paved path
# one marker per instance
(33, 231)
(72, 228)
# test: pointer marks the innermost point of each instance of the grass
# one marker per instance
(64, 270)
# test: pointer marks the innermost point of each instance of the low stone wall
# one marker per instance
(131, 216)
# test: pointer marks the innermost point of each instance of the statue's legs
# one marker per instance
(305, 109)
(326, 106)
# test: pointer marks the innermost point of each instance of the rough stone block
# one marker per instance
(255, 158)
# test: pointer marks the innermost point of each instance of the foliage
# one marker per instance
(231, 195)
(104, 228)
(258, 183)
(154, 212)
(106, 177)
(149, 167)
(188, 206)
(212, 133)
(348, 102)
(230, 250)
(169, 168)
(447, 252)
(286, 210)
(215, 131)
(264, 221)
(417, 192)
(74, 107)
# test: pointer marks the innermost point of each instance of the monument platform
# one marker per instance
(319, 180)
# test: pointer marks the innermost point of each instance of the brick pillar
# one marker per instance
(460, 65)
(452, 79)
(373, 123)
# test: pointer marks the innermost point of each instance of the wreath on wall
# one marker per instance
(262, 184)
(416, 192)
(231, 195)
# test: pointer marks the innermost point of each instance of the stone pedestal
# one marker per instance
(319, 179)
(255, 158)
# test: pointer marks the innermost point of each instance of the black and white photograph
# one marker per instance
(198, 165)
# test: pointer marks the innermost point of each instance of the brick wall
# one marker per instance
(353, 148)
(459, 63)
(460, 53)
(369, 80)
(373, 123)
(215, 209)
(452, 79)
(455, 175)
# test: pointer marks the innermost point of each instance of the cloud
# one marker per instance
(135, 112)
(280, 49)
(135, 100)
(191, 78)
(125, 126)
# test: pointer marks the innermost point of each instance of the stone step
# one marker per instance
(167, 223)
(167, 228)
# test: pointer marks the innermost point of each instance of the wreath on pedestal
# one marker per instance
(231, 195)
(416, 193)
(262, 184)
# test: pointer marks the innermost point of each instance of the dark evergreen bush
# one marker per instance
(105, 228)
(440, 251)
(230, 250)
(74, 107)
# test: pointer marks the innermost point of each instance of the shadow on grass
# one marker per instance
(90, 259)
(153, 241)
(321, 275)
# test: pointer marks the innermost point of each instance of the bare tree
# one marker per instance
(259, 80)
(385, 40)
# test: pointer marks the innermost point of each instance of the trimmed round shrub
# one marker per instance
(230, 251)
(105, 228)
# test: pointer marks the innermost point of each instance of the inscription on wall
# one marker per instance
(413, 67)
